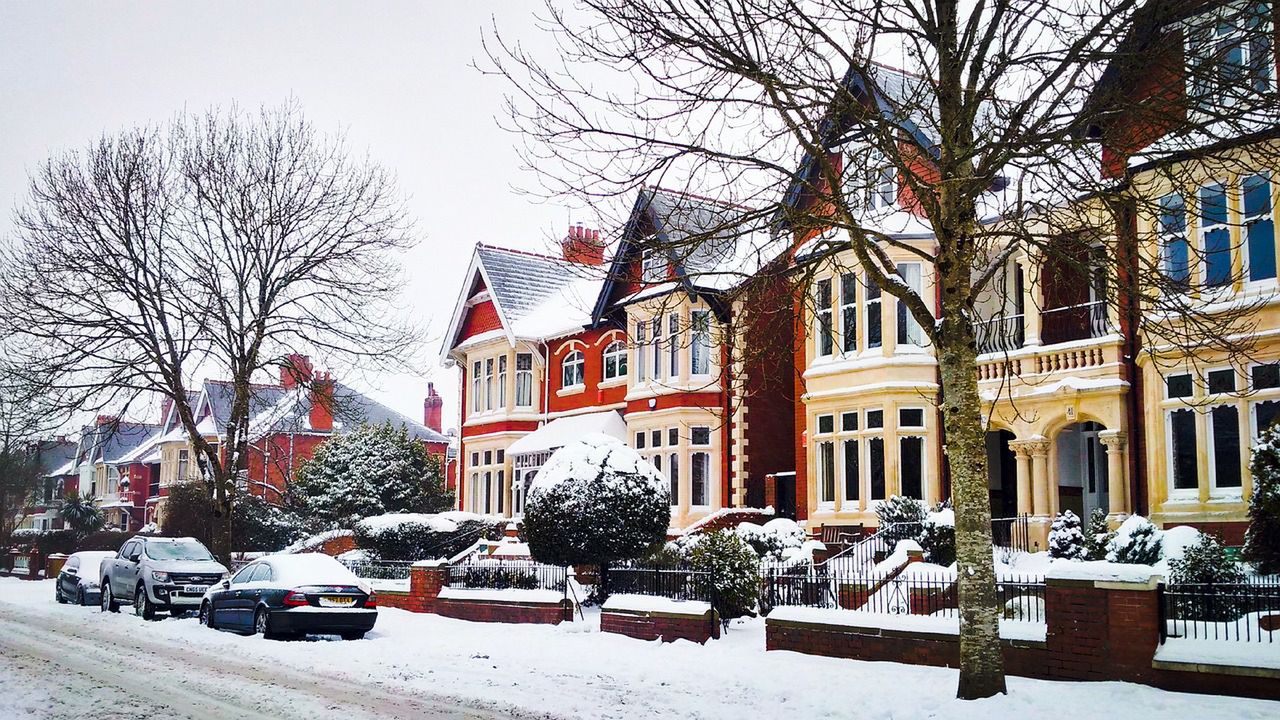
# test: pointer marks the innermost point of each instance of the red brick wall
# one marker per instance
(424, 588)
(504, 612)
(1092, 634)
(591, 344)
(481, 318)
(660, 626)
(769, 369)
(1231, 533)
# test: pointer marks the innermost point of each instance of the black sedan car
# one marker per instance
(282, 596)
(78, 579)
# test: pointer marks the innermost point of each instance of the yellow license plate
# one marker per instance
(337, 601)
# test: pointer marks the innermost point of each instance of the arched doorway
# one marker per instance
(1082, 469)
(1002, 474)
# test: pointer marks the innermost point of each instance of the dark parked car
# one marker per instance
(78, 581)
(292, 595)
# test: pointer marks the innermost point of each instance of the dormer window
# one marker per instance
(653, 267)
(1229, 55)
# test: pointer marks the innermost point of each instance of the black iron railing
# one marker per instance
(1237, 612)
(1000, 334)
(676, 583)
(508, 575)
(1075, 322)
(379, 569)
(909, 593)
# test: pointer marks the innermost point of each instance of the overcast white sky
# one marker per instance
(395, 75)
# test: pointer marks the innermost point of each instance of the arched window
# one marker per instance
(615, 360)
(571, 370)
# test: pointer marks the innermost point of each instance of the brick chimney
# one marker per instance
(107, 420)
(582, 246)
(295, 371)
(432, 408)
(321, 415)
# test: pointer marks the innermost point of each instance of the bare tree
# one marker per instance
(988, 127)
(214, 244)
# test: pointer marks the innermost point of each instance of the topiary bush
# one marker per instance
(1136, 542)
(1262, 539)
(596, 501)
(1097, 536)
(734, 569)
(1207, 563)
(1066, 541)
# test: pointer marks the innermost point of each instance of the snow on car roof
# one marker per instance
(310, 569)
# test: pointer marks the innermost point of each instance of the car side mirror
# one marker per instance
(226, 584)
(70, 571)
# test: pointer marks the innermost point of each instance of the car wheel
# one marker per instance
(352, 636)
(142, 604)
(109, 603)
(80, 597)
(262, 624)
(57, 594)
(206, 616)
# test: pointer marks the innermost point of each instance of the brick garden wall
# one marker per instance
(504, 612)
(667, 627)
(1094, 631)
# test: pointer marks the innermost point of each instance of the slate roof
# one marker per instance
(56, 457)
(520, 281)
(109, 442)
(292, 414)
(219, 395)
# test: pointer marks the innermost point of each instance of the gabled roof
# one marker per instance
(219, 395)
(729, 249)
(111, 441)
(536, 296)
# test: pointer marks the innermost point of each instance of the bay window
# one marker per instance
(909, 331)
(1174, 248)
(700, 343)
(673, 474)
(477, 400)
(488, 384)
(524, 380)
(673, 344)
(872, 309)
(1215, 237)
(1259, 227)
(848, 312)
(642, 364)
(822, 318)
(699, 467)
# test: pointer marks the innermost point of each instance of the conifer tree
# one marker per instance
(1066, 541)
(1262, 540)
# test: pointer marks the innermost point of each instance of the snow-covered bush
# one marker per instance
(1066, 541)
(734, 569)
(372, 470)
(1097, 536)
(1262, 539)
(500, 576)
(938, 538)
(1205, 562)
(421, 536)
(901, 517)
(1137, 542)
(1027, 608)
(776, 541)
(596, 501)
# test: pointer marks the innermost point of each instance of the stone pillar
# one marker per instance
(1038, 448)
(1117, 503)
(1022, 457)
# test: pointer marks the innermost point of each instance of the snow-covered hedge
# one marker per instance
(424, 536)
(1137, 542)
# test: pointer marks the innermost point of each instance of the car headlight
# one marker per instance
(159, 576)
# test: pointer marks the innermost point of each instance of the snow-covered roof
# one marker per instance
(565, 311)
(292, 414)
(143, 451)
(67, 468)
(564, 430)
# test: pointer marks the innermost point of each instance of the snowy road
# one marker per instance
(63, 667)
(62, 661)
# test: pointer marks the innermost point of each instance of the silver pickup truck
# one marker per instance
(157, 573)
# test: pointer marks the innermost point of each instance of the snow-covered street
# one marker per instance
(62, 661)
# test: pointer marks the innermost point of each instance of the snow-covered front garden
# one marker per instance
(572, 670)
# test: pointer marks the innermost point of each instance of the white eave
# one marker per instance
(462, 305)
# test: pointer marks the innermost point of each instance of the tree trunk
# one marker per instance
(981, 659)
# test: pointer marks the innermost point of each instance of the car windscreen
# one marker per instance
(177, 551)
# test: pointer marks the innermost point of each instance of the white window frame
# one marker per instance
(488, 384)
(1246, 221)
(821, 440)
(524, 382)
(673, 345)
(709, 465)
(656, 346)
(573, 361)
(873, 308)
(1223, 91)
(848, 305)
(502, 381)
(477, 399)
(616, 353)
(653, 265)
(822, 316)
(904, 313)
(880, 182)
(1202, 236)
(700, 343)
(642, 350)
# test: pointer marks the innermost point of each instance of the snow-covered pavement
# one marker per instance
(429, 666)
